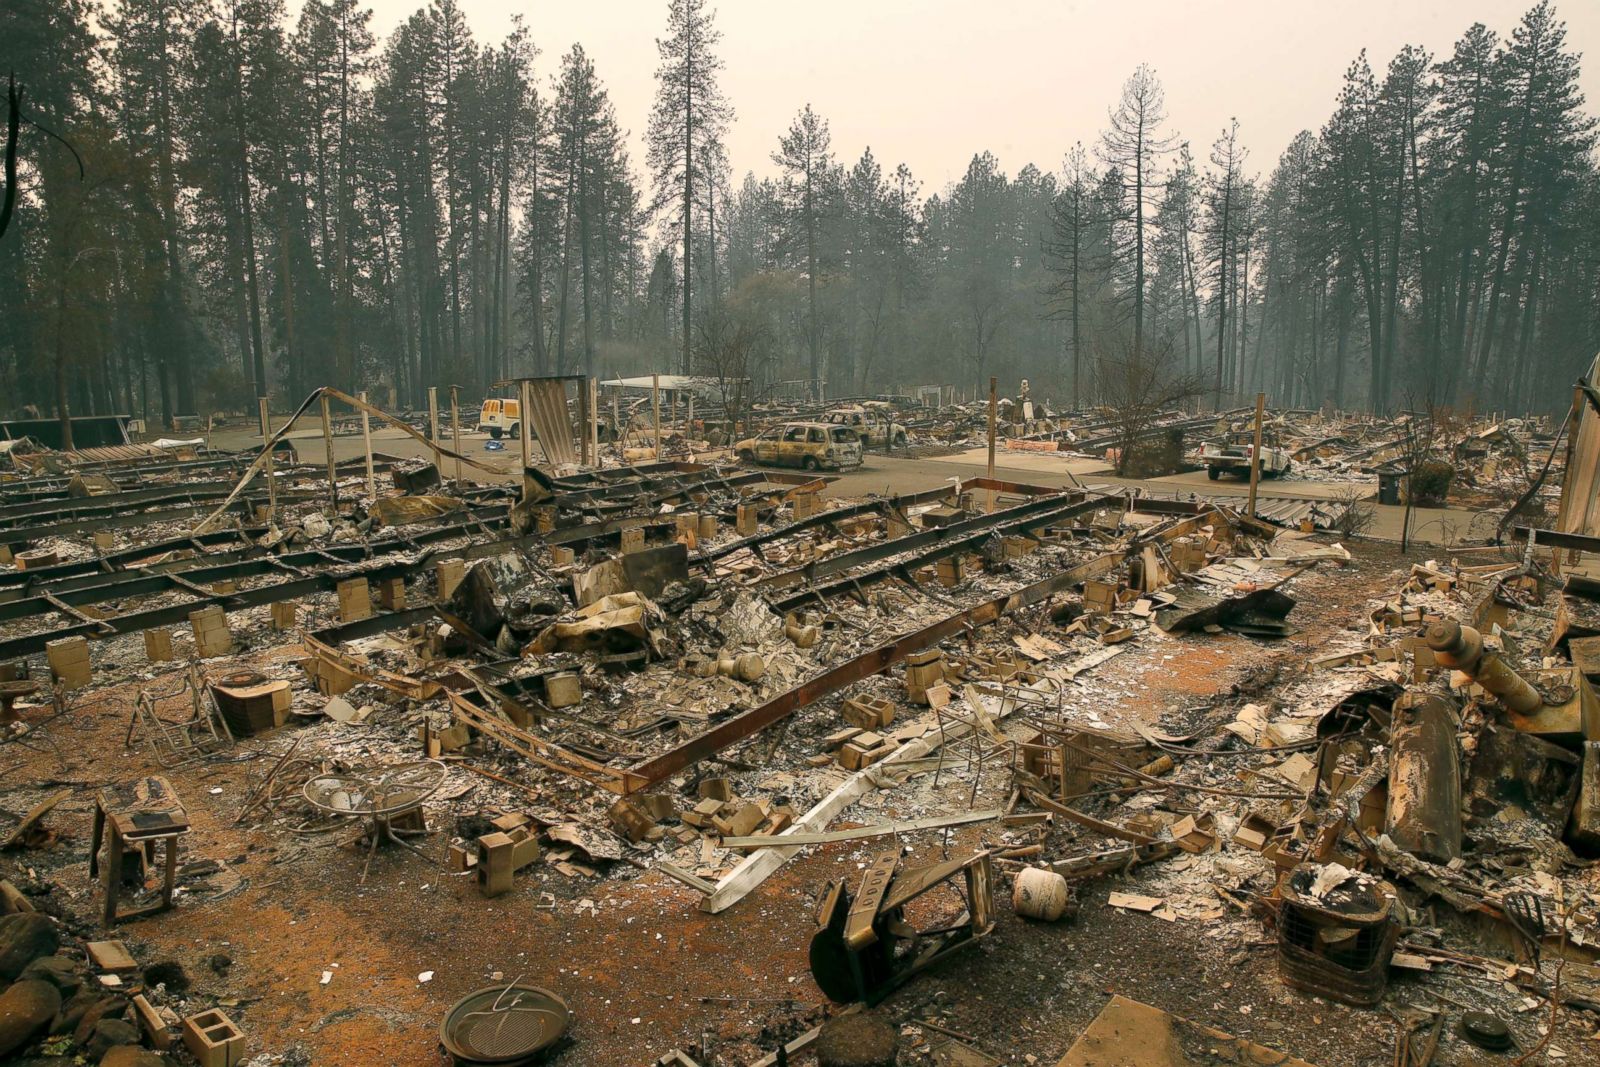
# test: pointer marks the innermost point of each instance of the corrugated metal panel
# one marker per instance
(1579, 509)
(547, 414)
(117, 454)
(1285, 511)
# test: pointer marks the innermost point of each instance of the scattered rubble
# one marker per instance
(681, 677)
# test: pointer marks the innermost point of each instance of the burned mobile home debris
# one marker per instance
(613, 755)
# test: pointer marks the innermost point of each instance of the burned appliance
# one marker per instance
(864, 947)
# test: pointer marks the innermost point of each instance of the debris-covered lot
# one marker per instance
(683, 761)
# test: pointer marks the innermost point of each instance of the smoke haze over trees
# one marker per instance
(271, 205)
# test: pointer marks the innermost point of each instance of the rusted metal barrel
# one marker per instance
(1424, 816)
(1461, 647)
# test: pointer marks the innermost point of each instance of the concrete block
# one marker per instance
(923, 671)
(392, 594)
(1017, 547)
(449, 574)
(869, 713)
(719, 789)
(213, 1039)
(630, 820)
(158, 645)
(69, 661)
(151, 1022)
(355, 600)
(211, 634)
(562, 690)
(501, 854)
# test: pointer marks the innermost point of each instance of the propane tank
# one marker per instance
(1040, 894)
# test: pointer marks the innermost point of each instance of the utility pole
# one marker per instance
(655, 410)
(327, 441)
(366, 445)
(591, 394)
(455, 431)
(994, 412)
(266, 443)
(524, 404)
(1255, 455)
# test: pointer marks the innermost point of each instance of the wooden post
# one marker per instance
(266, 442)
(1255, 455)
(1565, 507)
(994, 415)
(524, 403)
(366, 445)
(433, 413)
(455, 429)
(591, 391)
(655, 410)
(327, 441)
(583, 419)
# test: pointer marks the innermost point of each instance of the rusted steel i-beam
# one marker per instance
(940, 549)
(882, 658)
(860, 667)
(1036, 513)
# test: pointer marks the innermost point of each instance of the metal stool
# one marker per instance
(980, 743)
(138, 814)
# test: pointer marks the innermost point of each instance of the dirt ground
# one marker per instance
(641, 968)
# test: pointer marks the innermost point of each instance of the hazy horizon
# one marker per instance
(886, 74)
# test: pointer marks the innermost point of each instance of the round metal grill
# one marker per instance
(504, 1024)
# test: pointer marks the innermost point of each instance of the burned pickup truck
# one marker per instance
(1231, 455)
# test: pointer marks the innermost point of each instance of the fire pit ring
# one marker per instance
(504, 1024)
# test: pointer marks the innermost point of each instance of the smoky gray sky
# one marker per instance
(931, 82)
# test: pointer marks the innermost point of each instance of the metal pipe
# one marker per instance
(1461, 648)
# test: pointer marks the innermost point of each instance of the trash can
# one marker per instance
(1389, 487)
